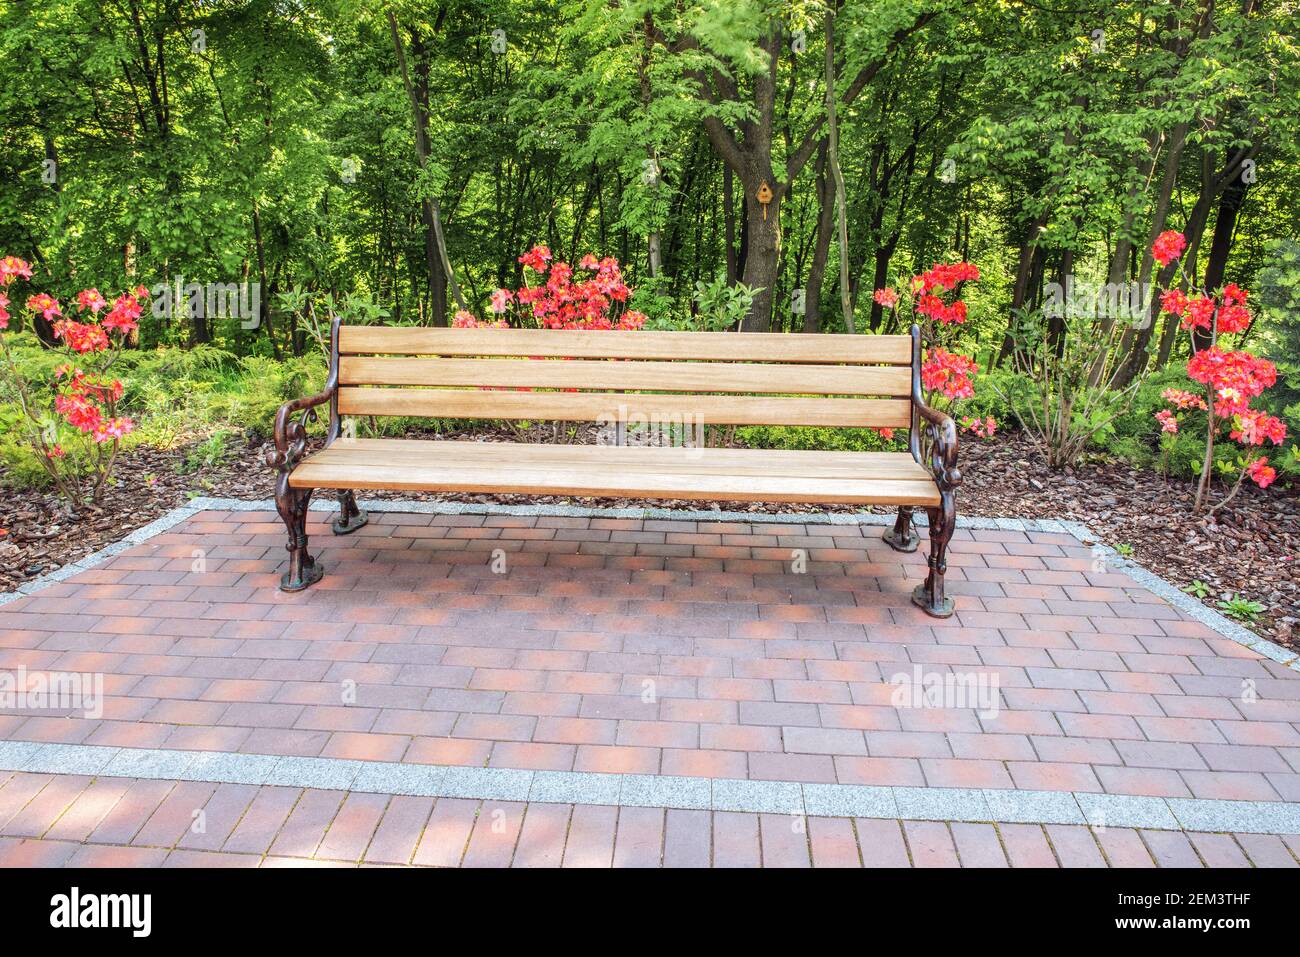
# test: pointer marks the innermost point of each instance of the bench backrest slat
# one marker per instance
(724, 378)
(694, 377)
(576, 344)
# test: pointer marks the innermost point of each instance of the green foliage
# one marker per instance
(721, 306)
(819, 437)
(1242, 609)
(1197, 588)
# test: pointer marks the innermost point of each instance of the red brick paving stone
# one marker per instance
(262, 820)
(1171, 849)
(448, 751)
(1149, 782)
(1218, 850)
(492, 842)
(956, 773)
(43, 810)
(978, 845)
(639, 839)
(1027, 845)
(366, 747)
(785, 840)
(736, 840)
(1123, 847)
(930, 844)
(1075, 846)
(88, 810)
(18, 791)
(130, 813)
(446, 833)
(400, 830)
(1229, 785)
(186, 858)
(833, 842)
(591, 836)
(542, 837)
(176, 815)
(528, 756)
(353, 827)
(688, 838)
(617, 760)
(104, 855)
(305, 828)
(805, 768)
(33, 853)
(221, 814)
(1266, 850)
(898, 772)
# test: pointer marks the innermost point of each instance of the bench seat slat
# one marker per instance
(721, 474)
(693, 377)
(727, 346)
(591, 406)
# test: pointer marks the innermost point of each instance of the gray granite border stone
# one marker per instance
(657, 791)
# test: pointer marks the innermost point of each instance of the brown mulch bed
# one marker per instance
(1249, 548)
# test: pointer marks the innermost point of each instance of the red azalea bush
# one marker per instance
(934, 302)
(71, 423)
(1231, 379)
(594, 297)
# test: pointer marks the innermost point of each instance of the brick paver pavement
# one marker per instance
(712, 649)
(176, 824)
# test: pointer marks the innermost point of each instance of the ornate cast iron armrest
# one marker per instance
(290, 433)
(942, 433)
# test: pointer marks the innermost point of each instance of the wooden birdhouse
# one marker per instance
(764, 196)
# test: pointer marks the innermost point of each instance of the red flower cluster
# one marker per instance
(950, 373)
(1252, 427)
(464, 319)
(936, 308)
(1261, 473)
(1229, 316)
(886, 297)
(587, 301)
(945, 276)
(125, 314)
(1235, 377)
(86, 401)
(81, 337)
(1168, 246)
(985, 428)
(11, 268)
(1183, 399)
(45, 304)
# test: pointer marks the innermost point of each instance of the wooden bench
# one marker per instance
(725, 378)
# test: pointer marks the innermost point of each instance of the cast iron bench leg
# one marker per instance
(350, 517)
(292, 503)
(930, 596)
(902, 537)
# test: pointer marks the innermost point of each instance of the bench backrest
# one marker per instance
(727, 378)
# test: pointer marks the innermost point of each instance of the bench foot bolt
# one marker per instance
(921, 598)
(902, 537)
(350, 517)
(311, 573)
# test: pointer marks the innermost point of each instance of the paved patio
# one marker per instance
(78, 821)
(709, 649)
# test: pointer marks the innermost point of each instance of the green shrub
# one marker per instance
(820, 437)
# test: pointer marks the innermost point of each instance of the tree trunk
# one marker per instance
(729, 223)
(837, 175)
(432, 213)
(812, 318)
(762, 250)
(1216, 264)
